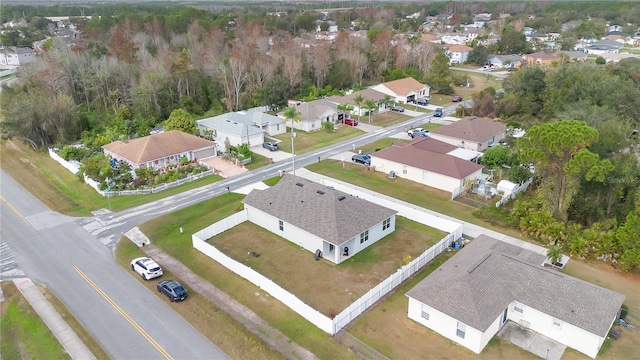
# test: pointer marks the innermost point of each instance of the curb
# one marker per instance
(60, 329)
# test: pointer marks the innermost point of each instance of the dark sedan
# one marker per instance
(173, 290)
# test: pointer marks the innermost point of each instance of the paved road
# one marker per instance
(122, 315)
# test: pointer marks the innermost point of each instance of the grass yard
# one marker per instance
(385, 119)
(324, 285)
(309, 141)
(478, 82)
(387, 328)
(164, 232)
(23, 333)
(226, 333)
(406, 190)
(61, 191)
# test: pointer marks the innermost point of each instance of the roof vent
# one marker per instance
(320, 192)
(341, 198)
(300, 184)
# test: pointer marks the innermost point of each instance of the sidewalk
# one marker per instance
(67, 337)
(468, 229)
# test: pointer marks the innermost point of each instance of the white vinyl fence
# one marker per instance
(325, 323)
(74, 167)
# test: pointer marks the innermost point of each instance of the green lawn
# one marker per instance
(23, 334)
(309, 141)
(164, 233)
(324, 285)
(406, 190)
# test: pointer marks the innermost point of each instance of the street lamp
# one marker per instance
(293, 151)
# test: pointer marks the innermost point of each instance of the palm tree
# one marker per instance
(371, 107)
(386, 101)
(292, 114)
(554, 254)
(358, 99)
(344, 108)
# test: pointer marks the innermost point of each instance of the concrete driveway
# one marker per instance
(532, 341)
(276, 156)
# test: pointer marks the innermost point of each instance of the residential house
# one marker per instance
(319, 218)
(236, 128)
(160, 150)
(604, 47)
(314, 113)
(404, 90)
(432, 38)
(16, 56)
(430, 162)
(614, 58)
(458, 54)
(489, 282)
(575, 55)
(540, 58)
(473, 133)
(502, 61)
(367, 94)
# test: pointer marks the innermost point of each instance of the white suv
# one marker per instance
(147, 268)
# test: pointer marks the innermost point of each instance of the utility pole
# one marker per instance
(293, 151)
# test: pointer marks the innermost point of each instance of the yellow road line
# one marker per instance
(14, 209)
(124, 314)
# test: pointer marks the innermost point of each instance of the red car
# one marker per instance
(350, 122)
(456, 98)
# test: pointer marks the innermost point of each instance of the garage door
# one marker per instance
(204, 153)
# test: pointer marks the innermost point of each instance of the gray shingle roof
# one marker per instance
(324, 215)
(483, 278)
(472, 129)
(232, 123)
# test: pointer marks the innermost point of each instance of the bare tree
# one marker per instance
(320, 60)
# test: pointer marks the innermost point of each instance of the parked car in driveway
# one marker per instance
(363, 159)
(420, 133)
(422, 101)
(397, 108)
(271, 146)
(173, 290)
(456, 98)
(147, 268)
(350, 122)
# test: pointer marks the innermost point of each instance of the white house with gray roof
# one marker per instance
(490, 282)
(240, 128)
(317, 217)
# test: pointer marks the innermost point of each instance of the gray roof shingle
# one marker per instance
(472, 128)
(324, 215)
(483, 278)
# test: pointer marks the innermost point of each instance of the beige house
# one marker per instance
(404, 90)
(430, 162)
(160, 150)
(473, 133)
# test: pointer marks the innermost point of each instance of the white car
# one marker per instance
(147, 268)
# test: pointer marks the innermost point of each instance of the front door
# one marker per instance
(503, 318)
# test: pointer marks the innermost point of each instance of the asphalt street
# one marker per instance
(122, 315)
(73, 257)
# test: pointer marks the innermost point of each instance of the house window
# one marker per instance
(425, 312)
(517, 307)
(364, 236)
(386, 224)
(557, 323)
(281, 225)
(404, 169)
(462, 328)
